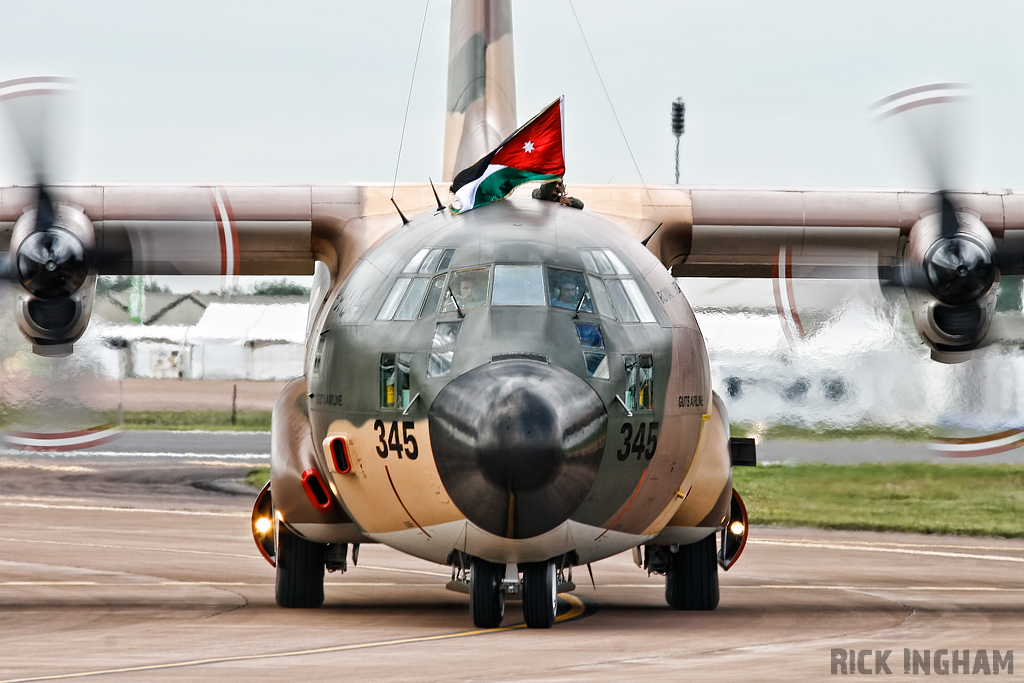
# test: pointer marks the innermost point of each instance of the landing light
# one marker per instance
(263, 525)
(736, 528)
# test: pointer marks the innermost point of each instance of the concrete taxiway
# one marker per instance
(143, 569)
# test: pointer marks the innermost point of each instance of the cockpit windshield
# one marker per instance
(568, 289)
(518, 286)
(466, 289)
(606, 289)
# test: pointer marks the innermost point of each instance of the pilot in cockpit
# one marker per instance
(567, 295)
(471, 287)
(554, 191)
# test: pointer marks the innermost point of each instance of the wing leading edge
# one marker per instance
(229, 230)
(725, 232)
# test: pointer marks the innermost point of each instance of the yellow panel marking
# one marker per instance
(576, 609)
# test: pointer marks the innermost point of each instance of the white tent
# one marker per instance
(147, 351)
(248, 341)
(230, 341)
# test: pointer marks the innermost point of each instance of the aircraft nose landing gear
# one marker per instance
(486, 597)
(540, 594)
(490, 584)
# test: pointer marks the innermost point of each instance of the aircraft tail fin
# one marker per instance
(481, 105)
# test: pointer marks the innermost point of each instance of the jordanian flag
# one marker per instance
(534, 152)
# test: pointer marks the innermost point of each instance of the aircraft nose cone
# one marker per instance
(518, 445)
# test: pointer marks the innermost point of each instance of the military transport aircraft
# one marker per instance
(457, 405)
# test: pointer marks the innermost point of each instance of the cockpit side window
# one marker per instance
(442, 349)
(623, 293)
(601, 299)
(405, 300)
(446, 259)
(617, 265)
(623, 308)
(416, 261)
(636, 297)
(604, 266)
(387, 310)
(433, 296)
(394, 380)
(429, 260)
(593, 349)
(568, 289)
(466, 289)
(639, 382)
(518, 286)
(410, 305)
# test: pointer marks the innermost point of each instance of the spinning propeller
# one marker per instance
(47, 403)
(47, 259)
(953, 256)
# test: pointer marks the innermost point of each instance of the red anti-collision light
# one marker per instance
(339, 454)
(316, 490)
(734, 540)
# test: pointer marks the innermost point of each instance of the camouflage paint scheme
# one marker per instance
(354, 242)
(403, 502)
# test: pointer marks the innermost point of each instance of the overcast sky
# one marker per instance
(315, 92)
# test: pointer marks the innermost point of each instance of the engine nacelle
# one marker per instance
(949, 283)
(58, 285)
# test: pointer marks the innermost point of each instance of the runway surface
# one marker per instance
(143, 569)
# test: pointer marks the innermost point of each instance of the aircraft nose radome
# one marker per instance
(518, 445)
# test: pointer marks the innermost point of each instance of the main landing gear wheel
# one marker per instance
(540, 594)
(300, 570)
(486, 599)
(691, 582)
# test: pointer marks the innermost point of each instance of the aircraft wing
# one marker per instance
(228, 230)
(728, 232)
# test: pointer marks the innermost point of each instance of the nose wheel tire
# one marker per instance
(540, 596)
(300, 570)
(691, 582)
(486, 599)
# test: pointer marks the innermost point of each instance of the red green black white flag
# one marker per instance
(534, 152)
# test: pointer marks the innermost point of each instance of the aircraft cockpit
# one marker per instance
(571, 308)
(607, 288)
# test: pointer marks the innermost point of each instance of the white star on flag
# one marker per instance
(528, 147)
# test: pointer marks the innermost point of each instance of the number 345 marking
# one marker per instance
(406, 444)
(640, 441)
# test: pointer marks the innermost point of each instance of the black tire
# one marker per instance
(486, 599)
(300, 570)
(691, 582)
(540, 594)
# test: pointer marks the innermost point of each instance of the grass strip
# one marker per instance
(75, 417)
(926, 498)
(825, 433)
(257, 477)
(209, 420)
